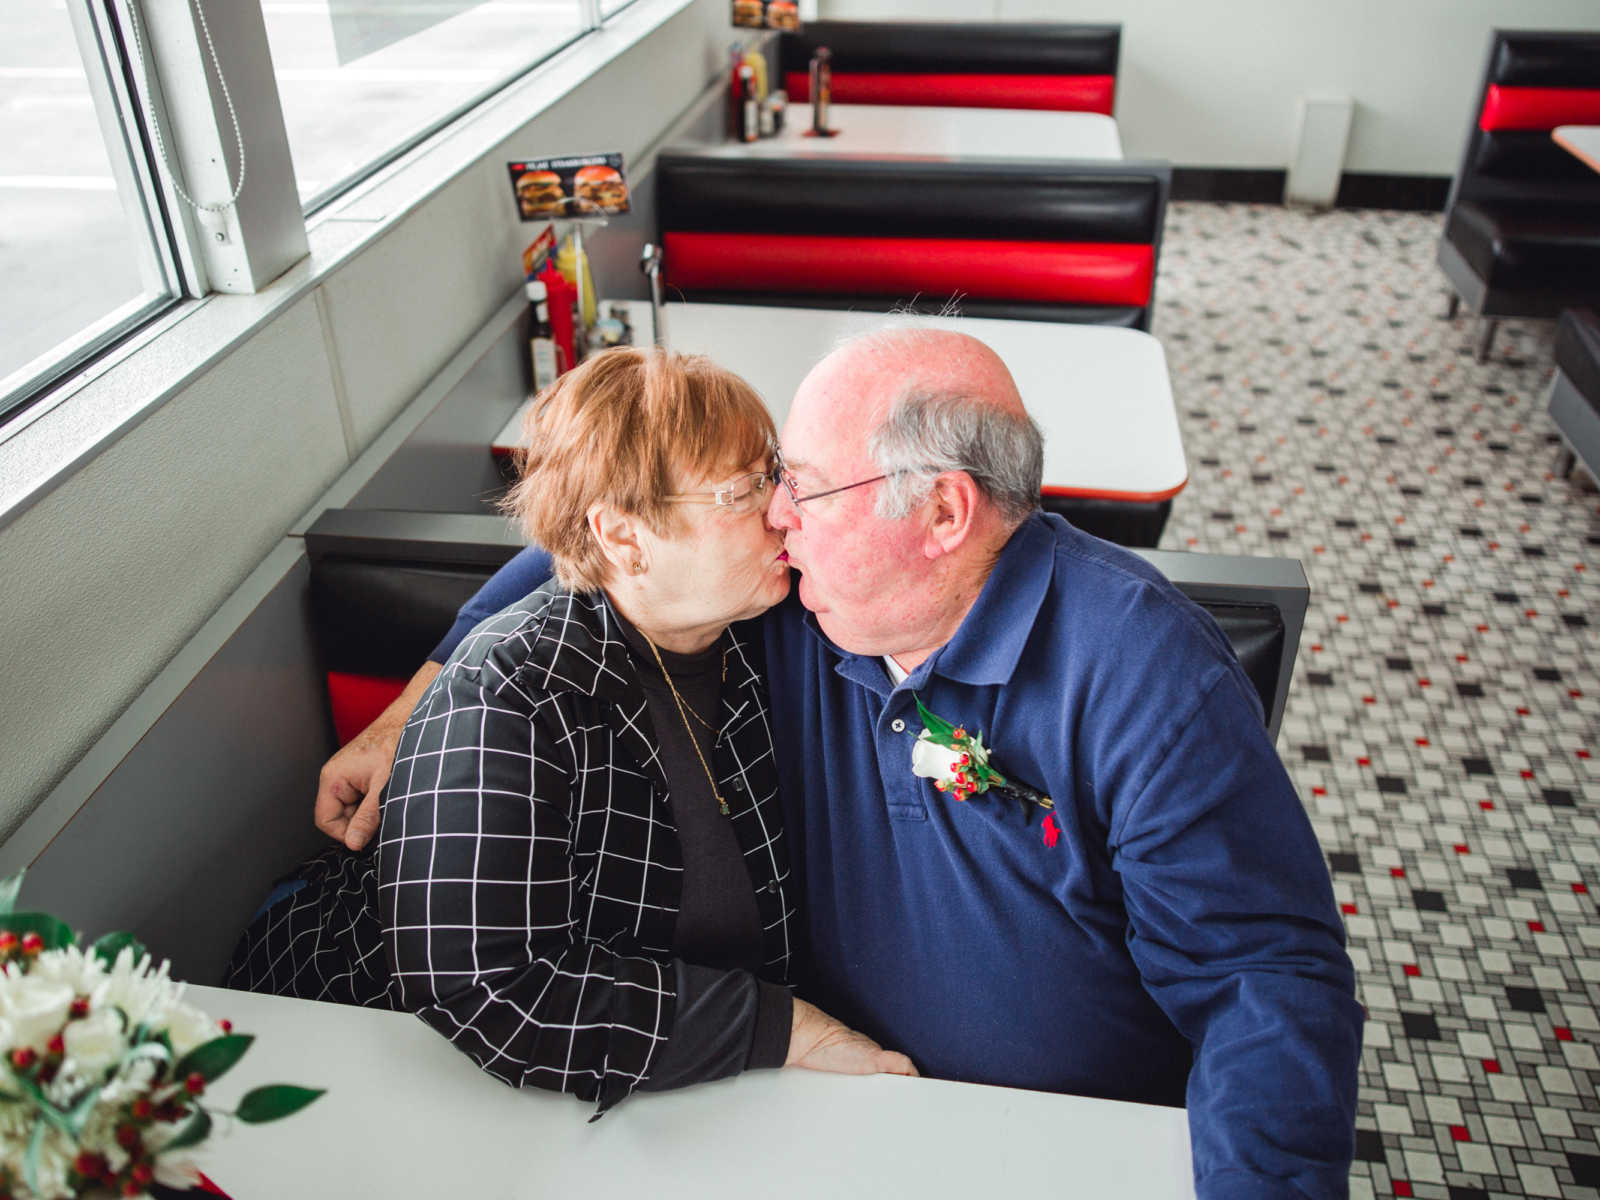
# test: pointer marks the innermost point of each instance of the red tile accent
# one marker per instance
(1363, 761)
(1316, 647)
(1575, 693)
(1461, 658)
(1348, 909)
(1581, 888)
(1398, 872)
(1422, 742)
(1369, 699)
(1521, 711)
(1535, 926)
(1402, 1188)
(1341, 618)
(1531, 613)
(1424, 683)
(1483, 629)
(1461, 848)
(1413, 970)
(1486, 805)
(1583, 754)
(1563, 1034)
(1319, 791)
(1527, 774)
(1459, 1133)
(1491, 1066)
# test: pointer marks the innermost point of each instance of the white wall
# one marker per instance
(1215, 82)
(103, 579)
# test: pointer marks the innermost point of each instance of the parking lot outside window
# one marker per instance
(86, 255)
(362, 81)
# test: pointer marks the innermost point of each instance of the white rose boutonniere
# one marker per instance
(959, 765)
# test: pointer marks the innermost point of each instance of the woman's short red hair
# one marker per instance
(627, 428)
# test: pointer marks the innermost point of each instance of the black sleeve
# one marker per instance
(725, 1022)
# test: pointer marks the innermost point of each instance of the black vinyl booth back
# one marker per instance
(386, 586)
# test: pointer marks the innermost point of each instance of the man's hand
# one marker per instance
(347, 789)
(819, 1043)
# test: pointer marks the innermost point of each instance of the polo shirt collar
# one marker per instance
(990, 640)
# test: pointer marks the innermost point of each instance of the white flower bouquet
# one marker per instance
(104, 1066)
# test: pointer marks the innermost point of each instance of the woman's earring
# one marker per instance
(638, 566)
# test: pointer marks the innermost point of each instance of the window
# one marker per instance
(361, 81)
(85, 254)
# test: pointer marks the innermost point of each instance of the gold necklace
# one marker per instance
(722, 805)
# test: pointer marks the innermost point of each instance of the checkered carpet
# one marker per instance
(1444, 708)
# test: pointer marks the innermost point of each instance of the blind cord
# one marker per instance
(155, 125)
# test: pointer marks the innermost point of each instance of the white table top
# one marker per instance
(1102, 395)
(407, 1114)
(1581, 140)
(882, 131)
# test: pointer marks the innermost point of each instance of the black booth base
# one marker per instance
(1125, 522)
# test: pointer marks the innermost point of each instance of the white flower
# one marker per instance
(76, 968)
(189, 1027)
(95, 1043)
(36, 1008)
(930, 760)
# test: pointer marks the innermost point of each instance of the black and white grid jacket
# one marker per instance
(529, 869)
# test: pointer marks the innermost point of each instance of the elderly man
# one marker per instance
(1165, 931)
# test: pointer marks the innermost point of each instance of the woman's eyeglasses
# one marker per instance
(743, 494)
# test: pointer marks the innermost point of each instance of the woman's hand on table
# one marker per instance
(820, 1043)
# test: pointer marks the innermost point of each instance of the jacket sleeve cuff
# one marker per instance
(769, 1048)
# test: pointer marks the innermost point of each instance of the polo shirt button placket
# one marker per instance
(897, 725)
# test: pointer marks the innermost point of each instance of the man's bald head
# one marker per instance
(913, 402)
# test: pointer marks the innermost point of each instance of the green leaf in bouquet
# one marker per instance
(47, 1111)
(211, 1059)
(57, 934)
(158, 1052)
(274, 1101)
(8, 892)
(30, 1160)
(78, 1116)
(196, 1129)
(108, 947)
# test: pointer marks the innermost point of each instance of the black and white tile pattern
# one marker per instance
(1444, 722)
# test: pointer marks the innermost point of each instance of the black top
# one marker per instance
(727, 1019)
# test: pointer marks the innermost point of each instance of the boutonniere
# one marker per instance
(959, 764)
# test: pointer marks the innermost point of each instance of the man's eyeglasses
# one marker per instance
(742, 494)
(782, 474)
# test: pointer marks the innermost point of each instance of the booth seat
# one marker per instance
(1574, 401)
(1067, 68)
(1043, 241)
(1522, 224)
(362, 560)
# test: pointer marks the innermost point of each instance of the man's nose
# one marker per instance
(781, 511)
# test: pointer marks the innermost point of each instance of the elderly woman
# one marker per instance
(580, 877)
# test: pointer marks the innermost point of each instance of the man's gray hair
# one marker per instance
(929, 432)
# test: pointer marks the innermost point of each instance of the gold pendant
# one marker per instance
(723, 805)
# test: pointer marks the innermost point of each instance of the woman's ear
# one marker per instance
(617, 535)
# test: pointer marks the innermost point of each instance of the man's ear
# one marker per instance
(617, 535)
(952, 510)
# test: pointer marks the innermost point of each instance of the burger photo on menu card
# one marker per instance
(539, 192)
(601, 186)
(748, 13)
(783, 14)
